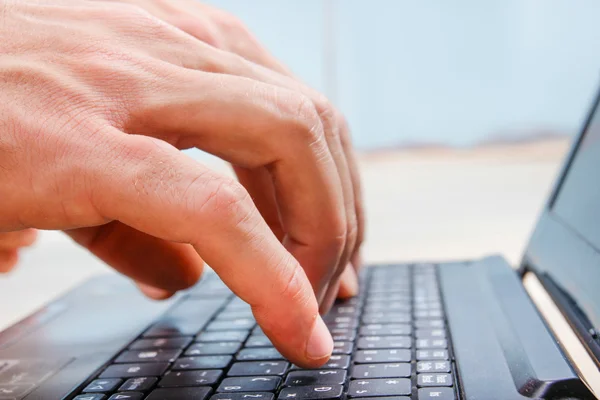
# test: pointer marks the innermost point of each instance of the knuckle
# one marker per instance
(294, 289)
(306, 114)
(337, 234)
(227, 200)
(231, 24)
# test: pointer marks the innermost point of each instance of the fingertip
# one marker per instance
(320, 343)
(153, 292)
(349, 286)
(356, 260)
(29, 237)
(8, 260)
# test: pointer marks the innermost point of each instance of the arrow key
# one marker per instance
(127, 396)
(102, 386)
(243, 396)
(380, 387)
(320, 392)
(249, 384)
(190, 378)
(316, 377)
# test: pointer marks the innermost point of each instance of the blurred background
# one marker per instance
(436, 72)
(461, 113)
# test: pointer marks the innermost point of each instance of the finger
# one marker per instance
(346, 139)
(146, 259)
(155, 189)
(332, 130)
(348, 283)
(234, 37)
(259, 184)
(252, 125)
(153, 292)
(344, 286)
(17, 239)
(8, 260)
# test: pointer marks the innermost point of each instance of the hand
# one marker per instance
(226, 32)
(93, 114)
(11, 243)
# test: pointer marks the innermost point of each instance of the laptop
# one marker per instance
(446, 331)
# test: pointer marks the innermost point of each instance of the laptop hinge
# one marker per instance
(577, 319)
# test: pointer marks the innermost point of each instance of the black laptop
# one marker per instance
(445, 331)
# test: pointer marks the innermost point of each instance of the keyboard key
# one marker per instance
(167, 355)
(384, 342)
(348, 335)
(223, 336)
(249, 384)
(404, 306)
(193, 393)
(426, 314)
(433, 366)
(336, 319)
(382, 318)
(430, 334)
(389, 297)
(258, 341)
(316, 377)
(231, 315)
(134, 370)
(382, 356)
(429, 323)
(127, 396)
(259, 353)
(160, 343)
(379, 387)
(335, 362)
(432, 344)
(102, 385)
(243, 396)
(254, 368)
(185, 318)
(206, 349)
(443, 393)
(202, 362)
(141, 384)
(90, 396)
(369, 371)
(326, 392)
(236, 324)
(385, 330)
(432, 355)
(434, 380)
(190, 378)
(390, 398)
(342, 347)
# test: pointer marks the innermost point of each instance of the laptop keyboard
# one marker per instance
(390, 342)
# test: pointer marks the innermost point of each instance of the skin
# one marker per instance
(97, 99)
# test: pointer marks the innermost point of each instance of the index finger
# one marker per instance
(154, 188)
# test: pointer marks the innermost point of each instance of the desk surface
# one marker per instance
(432, 204)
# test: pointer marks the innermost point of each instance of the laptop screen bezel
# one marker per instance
(566, 263)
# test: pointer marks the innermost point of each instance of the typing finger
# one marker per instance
(17, 239)
(157, 190)
(8, 260)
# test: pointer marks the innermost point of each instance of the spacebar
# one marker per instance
(186, 318)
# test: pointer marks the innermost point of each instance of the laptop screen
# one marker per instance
(578, 201)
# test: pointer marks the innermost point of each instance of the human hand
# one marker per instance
(226, 32)
(93, 113)
(11, 243)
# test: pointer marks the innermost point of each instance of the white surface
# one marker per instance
(421, 205)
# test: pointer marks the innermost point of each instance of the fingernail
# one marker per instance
(320, 343)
